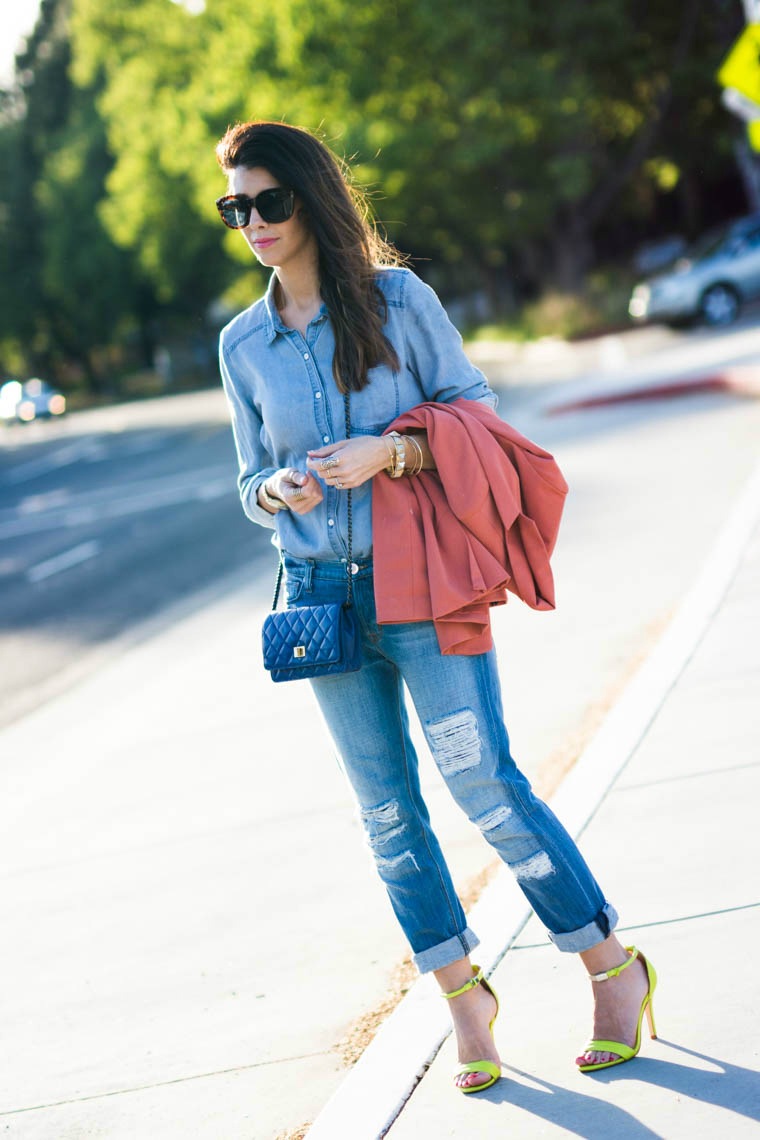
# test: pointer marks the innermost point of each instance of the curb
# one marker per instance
(365, 1106)
(740, 381)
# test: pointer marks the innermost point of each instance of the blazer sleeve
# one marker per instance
(435, 353)
(254, 461)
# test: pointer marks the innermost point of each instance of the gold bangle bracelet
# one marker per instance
(400, 464)
(272, 500)
(420, 456)
(391, 467)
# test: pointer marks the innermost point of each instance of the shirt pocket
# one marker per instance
(369, 429)
(373, 408)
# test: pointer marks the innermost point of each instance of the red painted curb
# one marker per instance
(745, 382)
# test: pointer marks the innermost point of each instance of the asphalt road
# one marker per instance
(105, 527)
(108, 517)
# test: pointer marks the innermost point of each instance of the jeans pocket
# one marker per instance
(293, 589)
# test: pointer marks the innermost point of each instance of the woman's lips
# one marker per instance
(264, 242)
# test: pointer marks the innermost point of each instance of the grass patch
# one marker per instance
(600, 306)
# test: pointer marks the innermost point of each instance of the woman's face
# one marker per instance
(275, 244)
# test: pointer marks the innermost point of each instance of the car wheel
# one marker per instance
(720, 305)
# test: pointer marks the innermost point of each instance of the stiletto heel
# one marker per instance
(624, 1052)
(494, 1071)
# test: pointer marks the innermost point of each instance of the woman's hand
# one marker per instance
(299, 489)
(350, 462)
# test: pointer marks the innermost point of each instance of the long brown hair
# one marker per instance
(350, 248)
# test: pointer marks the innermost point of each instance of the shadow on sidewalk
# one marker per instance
(729, 1086)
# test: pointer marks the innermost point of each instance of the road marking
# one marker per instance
(63, 561)
(146, 441)
(213, 490)
(89, 449)
(40, 513)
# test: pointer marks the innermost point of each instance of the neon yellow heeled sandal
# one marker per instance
(494, 1071)
(624, 1052)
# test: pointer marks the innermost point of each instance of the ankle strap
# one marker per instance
(617, 970)
(475, 980)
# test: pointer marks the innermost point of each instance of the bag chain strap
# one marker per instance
(349, 564)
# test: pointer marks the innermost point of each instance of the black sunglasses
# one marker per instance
(275, 205)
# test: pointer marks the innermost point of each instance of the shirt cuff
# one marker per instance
(251, 505)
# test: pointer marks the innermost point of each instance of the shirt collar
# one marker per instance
(274, 321)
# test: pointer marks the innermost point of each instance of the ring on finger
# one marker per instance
(338, 484)
(297, 493)
(331, 461)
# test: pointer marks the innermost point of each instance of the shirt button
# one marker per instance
(306, 356)
(319, 395)
(354, 568)
(325, 439)
(331, 522)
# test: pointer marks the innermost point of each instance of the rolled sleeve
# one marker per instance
(435, 350)
(254, 462)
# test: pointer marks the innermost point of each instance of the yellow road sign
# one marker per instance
(741, 67)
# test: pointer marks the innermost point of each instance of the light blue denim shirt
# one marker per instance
(284, 401)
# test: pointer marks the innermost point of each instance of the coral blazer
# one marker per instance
(449, 543)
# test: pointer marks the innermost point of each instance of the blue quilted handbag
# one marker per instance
(313, 641)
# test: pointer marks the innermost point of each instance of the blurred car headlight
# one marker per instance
(639, 302)
(26, 411)
(10, 394)
(57, 404)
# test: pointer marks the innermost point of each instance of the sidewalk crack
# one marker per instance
(162, 1084)
(646, 925)
(687, 776)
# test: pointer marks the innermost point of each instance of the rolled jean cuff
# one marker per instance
(574, 941)
(446, 952)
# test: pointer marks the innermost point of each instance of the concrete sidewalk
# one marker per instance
(674, 844)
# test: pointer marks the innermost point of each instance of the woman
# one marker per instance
(342, 314)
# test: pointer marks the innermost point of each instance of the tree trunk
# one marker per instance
(572, 255)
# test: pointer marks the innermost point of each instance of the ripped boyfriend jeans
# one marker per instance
(458, 701)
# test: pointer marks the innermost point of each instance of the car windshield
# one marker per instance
(708, 244)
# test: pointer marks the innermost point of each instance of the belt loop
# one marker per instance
(308, 575)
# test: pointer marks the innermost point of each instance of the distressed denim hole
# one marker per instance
(387, 863)
(490, 820)
(387, 836)
(381, 817)
(455, 742)
(538, 866)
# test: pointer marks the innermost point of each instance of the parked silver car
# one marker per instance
(712, 280)
(31, 400)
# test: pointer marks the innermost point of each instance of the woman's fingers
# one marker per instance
(299, 489)
(305, 494)
(328, 449)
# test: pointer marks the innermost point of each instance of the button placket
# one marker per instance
(332, 501)
(322, 405)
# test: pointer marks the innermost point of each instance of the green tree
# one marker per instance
(501, 143)
(67, 289)
(501, 139)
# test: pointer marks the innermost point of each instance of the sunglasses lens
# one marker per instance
(275, 205)
(234, 213)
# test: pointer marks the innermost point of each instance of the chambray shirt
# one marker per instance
(284, 401)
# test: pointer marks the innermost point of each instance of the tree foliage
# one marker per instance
(502, 144)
